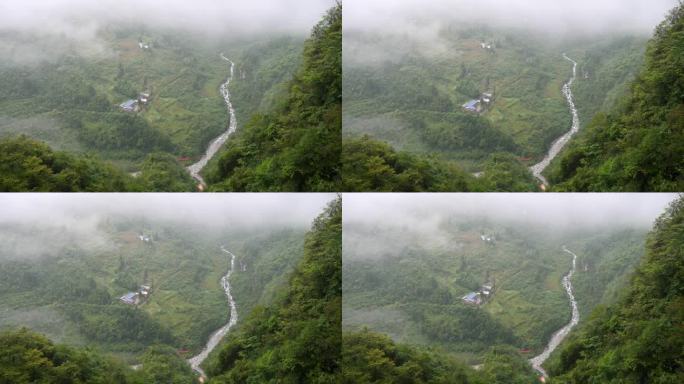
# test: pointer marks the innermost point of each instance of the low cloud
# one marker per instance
(380, 225)
(34, 225)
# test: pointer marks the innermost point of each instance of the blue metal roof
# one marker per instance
(130, 104)
(472, 104)
(472, 296)
(129, 297)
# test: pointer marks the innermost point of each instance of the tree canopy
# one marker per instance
(295, 147)
(639, 145)
(298, 338)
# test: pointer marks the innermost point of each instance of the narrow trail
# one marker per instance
(217, 143)
(562, 141)
(562, 333)
(216, 337)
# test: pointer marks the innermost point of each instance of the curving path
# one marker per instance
(216, 337)
(560, 334)
(562, 141)
(218, 142)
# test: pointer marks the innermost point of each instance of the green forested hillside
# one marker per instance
(369, 165)
(26, 357)
(296, 146)
(27, 165)
(29, 358)
(70, 100)
(637, 146)
(639, 339)
(183, 266)
(409, 284)
(373, 358)
(30, 166)
(412, 99)
(297, 339)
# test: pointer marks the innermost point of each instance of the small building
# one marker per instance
(488, 239)
(486, 98)
(144, 97)
(129, 106)
(472, 106)
(486, 290)
(131, 298)
(472, 298)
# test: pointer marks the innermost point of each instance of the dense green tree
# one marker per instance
(296, 147)
(504, 173)
(637, 146)
(28, 165)
(161, 172)
(639, 339)
(162, 365)
(373, 358)
(298, 338)
(370, 165)
(504, 364)
(369, 357)
(26, 357)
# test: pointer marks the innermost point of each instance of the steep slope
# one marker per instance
(27, 357)
(640, 339)
(638, 146)
(368, 357)
(296, 147)
(27, 165)
(297, 339)
(369, 165)
(30, 166)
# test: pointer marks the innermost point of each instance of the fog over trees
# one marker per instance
(42, 224)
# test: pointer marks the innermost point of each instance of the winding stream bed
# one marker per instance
(218, 142)
(560, 334)
(216, 337)
(562, 141)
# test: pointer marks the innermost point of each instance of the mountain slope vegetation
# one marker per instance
(295, 147)
(369, 357)
(638, 145)
(71, 100)
(297, 339)
(27, 165)
(27, 357)
(640, 338)
(370, 165)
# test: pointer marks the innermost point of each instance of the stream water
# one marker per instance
(218, 142)
(216, 337)
(562, 141)
(560, 334)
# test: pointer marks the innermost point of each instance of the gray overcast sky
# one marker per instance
(560, 16)
(241, 209)
(221, 16)
(383, 225)
(557, 210)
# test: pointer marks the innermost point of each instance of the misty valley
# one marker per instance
(140, 103)
(164, 297)
(484, 98)
(493, 289)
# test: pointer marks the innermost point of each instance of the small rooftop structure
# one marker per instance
(488, 239)
(472, 298)
(129, 105)
(131, 298)
(472, 106)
